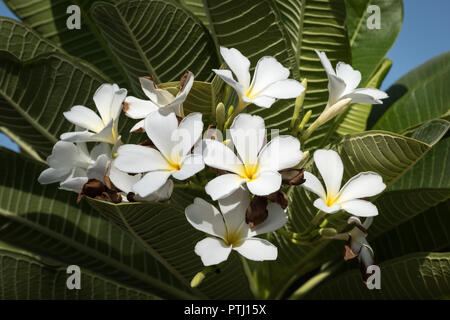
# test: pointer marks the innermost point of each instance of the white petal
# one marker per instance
(336, 90)
(136, 159)
(266, 183)
(117, 103)
(98, 169)
(138, 108)
(65, 155)
(192, 164)
(151, 182)
(51, 175)
(223, 185)
(238, 63)
(268, 70)
(325, 62)
(139, 126)
(103, 99)
(73, 184)
(313, 184)
(367, 95)
(320, 204)
(233, 208)
(212, 251)
(160, 97)
(351, 77)
(122, 180)
(183, 93)
(280, 153)
(162, 194)
(78, 136)
(189, 131)
(284, 89)
(276, 219)
(248, 133)
(257, 249)
(360, 208)
(227, 76)
(364, 184)
(84, 118)
(99, 149)
(331, 169)
(161, 127)
(205, 217)
(217, 155)
(261, 101)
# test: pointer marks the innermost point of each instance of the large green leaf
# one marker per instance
(22, 41)
(163, 230)
(49, 17)
(34, 94)
(27, 276)
(428, 231)
(419, 96)
(390, 155)
(318, 25)
(421, 188)
(48, 222)
(415, 276)
(196, 7)
(157, 38)
(370, 46)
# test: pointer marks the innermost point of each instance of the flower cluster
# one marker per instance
(249, 170)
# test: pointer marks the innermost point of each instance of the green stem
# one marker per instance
(251, 280)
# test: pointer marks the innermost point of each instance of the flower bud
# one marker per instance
(220, 115)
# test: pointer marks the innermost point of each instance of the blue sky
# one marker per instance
(425, 34)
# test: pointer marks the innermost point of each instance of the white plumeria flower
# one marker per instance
(270, 80)
(125, 182)
(348, 198)
(73, 165)
(136, 108)
(173, 157)
(228, 231)
(108, 99)
(343, 84)
(258, 164)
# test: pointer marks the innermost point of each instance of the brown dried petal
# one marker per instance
(294, 177)
(93, 188)
(130, 197)
(280, 198)
(257, 211)
(348, 253)
(148, 143)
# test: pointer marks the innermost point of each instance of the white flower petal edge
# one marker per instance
(348, 198)
(72, 165)
(257, 165)
(108, 99)
(344, 82)
(228, 231)
(136, 108)
(173, 157)
(270, 81)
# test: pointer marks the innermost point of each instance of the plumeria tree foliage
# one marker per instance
(222, 150)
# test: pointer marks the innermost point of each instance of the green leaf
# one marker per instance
(370, 46)
(316, 24)
(354, 120)
(156, 38)
(26, 276)
(49, 17)
(163, 230)
(49, 222)
(196, 7)
(428, 231)
(22, 41)
(419, 96)
(420, 189)
(390, 155)
(415, 276)
(24, 147)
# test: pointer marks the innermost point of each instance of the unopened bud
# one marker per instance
(327, 232)
(220, 115)
(298, 107)
(197, 279)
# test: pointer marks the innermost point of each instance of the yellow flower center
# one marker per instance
(232, 239)
(249, 171)
(249, 94)
(331, 199)
(174, 166)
